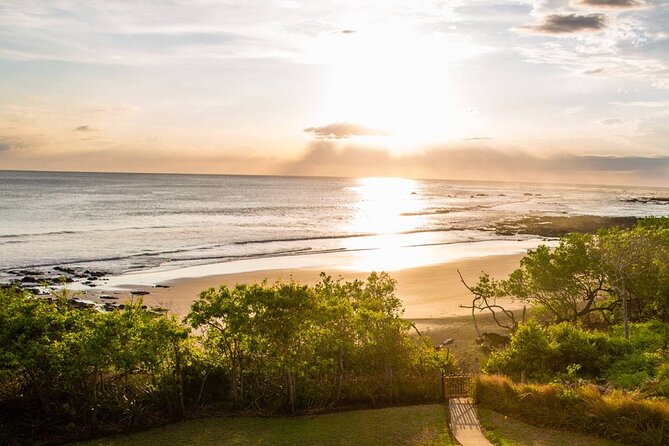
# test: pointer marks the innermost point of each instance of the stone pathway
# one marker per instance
(465, 423)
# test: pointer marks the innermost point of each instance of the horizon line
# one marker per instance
(454, 180)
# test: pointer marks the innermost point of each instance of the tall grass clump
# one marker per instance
(617, 416)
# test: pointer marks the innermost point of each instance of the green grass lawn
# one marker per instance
(414, 425)
(505, 431)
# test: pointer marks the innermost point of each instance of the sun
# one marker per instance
(399, 84)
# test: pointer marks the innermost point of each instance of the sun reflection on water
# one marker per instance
(387, 205)
(391, 209)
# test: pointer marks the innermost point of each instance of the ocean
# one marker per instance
(122, 223)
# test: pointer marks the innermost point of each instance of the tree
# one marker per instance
(569, 282)
(288, 346)
(68, 365)
(618, 273)
(638, 268)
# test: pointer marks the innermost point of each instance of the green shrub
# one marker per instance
(64, 369)
(529, 352)
(565, 350)
(288, 347)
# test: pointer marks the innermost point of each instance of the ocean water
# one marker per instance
(132, 222)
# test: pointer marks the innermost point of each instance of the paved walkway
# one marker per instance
(465, 423)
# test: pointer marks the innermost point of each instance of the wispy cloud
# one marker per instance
(615, 4)
(326, 158)
(644, 104)
(339, 130)
(625, 47)
(11, 143)
(229, 76)
(569, 24)
(84, 128)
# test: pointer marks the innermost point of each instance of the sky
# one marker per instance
(531, 90)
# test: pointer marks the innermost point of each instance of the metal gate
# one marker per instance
(456, 386)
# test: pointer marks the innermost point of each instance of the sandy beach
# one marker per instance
(428, 292)
(431, 294)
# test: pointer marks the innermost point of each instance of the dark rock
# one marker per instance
(557, 226)
(646, 200)
(139, 293)
(63, 269)
(446, 343)
(494, 340)
(161, 286)
(94, 274)
(28, 279)
(79, 304)
(110, 307)
(27, 272)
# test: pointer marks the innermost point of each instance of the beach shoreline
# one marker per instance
(432, 291)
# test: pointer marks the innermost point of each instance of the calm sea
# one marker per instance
(129, 222)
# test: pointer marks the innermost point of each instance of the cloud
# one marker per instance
(347, 31)
(84, 128)
(595, 71)
(478, 163)
(10, 143)
(339, 130)
(569, 24)
(612, 121)
(649, 104)
(615, 4)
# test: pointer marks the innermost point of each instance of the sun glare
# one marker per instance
(392, 209)
(386, 205)
(399, 84)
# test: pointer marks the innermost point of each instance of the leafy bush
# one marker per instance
(543, 353)
(63, 366)
(269, 348)
(292, 347)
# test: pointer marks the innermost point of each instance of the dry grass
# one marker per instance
(617, 416)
